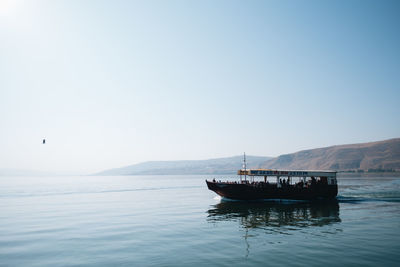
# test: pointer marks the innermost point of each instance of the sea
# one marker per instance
(176, 221)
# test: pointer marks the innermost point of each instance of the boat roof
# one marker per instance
(291, 173)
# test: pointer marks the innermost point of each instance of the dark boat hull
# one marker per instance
(259, 191)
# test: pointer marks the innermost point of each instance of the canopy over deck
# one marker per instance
(291, 173)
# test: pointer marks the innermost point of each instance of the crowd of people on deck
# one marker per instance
(282, 182)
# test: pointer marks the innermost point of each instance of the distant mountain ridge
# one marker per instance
(372, 156)
(210, 166)
(375, 156)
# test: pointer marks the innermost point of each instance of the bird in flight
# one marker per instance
(44, 141)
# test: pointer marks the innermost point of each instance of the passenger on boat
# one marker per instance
(313, 181)
(300, 184)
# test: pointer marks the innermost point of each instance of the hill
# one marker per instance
(374, 156)
(211, 166)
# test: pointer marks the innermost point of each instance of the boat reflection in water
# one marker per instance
(276, 216)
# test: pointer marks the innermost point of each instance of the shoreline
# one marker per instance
(368, 174)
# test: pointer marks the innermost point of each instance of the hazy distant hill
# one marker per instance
(211, 166)
(365, 156)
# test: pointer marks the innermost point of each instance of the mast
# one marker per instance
(244, 165)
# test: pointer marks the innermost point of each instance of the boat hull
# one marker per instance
(259, 191)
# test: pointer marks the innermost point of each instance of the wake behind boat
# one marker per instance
(278, 184)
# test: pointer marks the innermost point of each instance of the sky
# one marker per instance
(114, 83)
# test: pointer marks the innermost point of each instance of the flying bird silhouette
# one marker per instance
(44, 141)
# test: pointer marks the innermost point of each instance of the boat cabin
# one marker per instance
(286, 177)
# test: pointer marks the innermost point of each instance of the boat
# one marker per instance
(277, 184)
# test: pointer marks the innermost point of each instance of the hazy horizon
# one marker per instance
(110, 84)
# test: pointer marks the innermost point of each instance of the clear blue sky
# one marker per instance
(113, 83)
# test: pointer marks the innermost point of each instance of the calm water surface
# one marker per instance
(177, 221)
